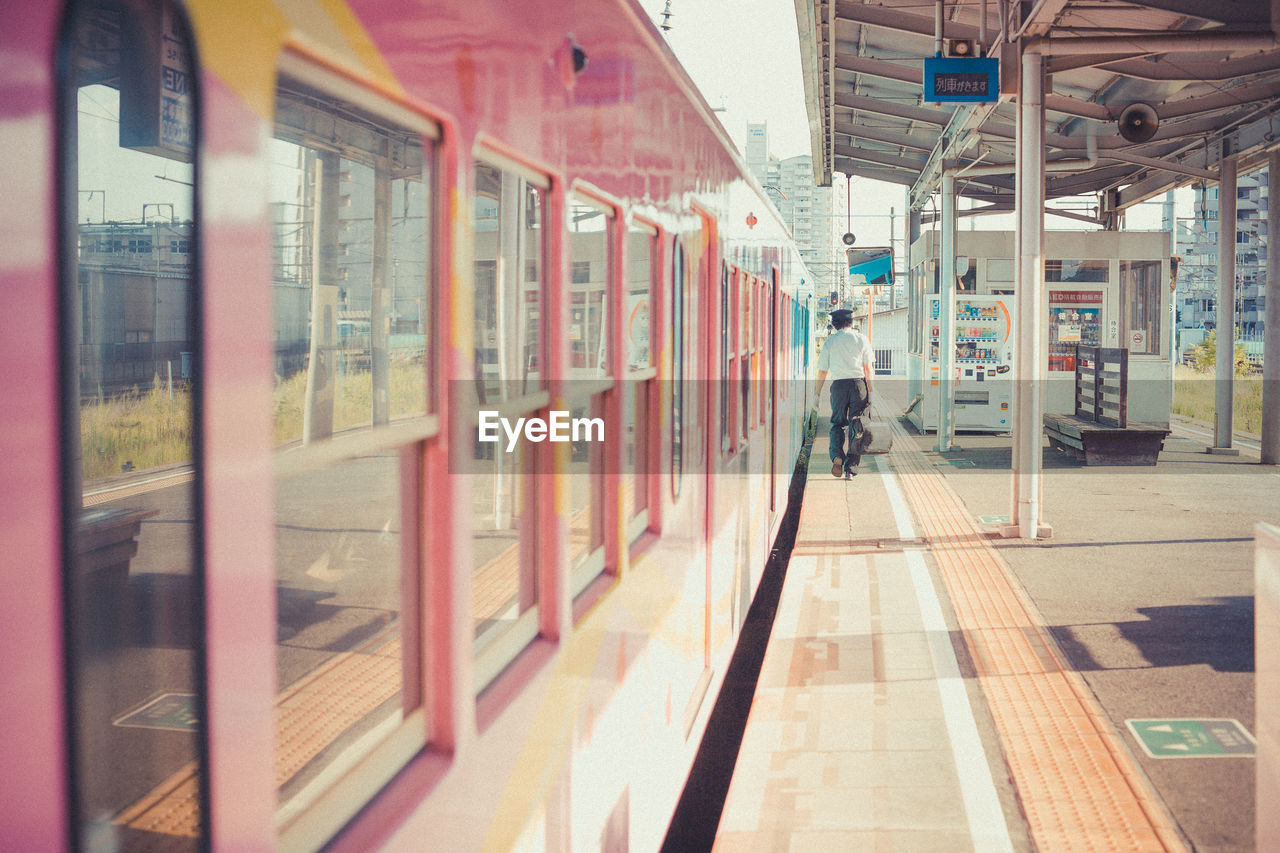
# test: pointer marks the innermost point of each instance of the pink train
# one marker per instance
(401, 403)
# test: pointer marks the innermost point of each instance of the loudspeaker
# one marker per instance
(961, 47)
(1139, 122)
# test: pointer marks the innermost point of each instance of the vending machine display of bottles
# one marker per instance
(983, 362)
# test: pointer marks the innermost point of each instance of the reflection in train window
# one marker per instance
(350, 196)
(747, 285)
(592, 293)
(507, 236)
(508, 211)
(349, 204)
(132, 514)
(728, 356)
(641, 385)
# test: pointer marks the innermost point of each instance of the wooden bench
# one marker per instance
(1101, 444)
(1100, 432)
(107, 541)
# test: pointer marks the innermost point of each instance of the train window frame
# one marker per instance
(403, 430)
(729, 277)
(643, 382)
(501, 649)
(762, 350)
(745, 342)
(679, 287)
(599, 392)
(314, 815)
(89, 531)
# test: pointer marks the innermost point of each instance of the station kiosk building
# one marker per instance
(1102, 288)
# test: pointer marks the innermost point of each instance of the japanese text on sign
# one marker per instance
(960, 84)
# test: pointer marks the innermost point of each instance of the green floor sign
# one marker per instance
(174, 712)
(1193, 738)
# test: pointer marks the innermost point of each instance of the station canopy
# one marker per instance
(1208, 70)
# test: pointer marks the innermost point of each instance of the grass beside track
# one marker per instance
(1194, 397)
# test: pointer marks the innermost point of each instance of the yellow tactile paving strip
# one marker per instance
(309, 716)
(495, 584)
(1078, 785)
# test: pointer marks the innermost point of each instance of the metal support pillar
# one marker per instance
(1029, 362)
(1223, 417)
(1271, 328)
(947, 316)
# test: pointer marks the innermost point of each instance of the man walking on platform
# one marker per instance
(849, 360)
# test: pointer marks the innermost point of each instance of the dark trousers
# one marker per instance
(848, 402)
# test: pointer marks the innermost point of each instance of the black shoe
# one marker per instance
(850, 473)
(837, 467)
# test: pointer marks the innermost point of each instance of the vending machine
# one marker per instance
(984, 365)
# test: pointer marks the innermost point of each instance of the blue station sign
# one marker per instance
(971, 79)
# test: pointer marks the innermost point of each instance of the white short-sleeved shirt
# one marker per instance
(844, 355)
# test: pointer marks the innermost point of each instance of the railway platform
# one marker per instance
(930, 686)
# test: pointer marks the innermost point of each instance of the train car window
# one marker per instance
(640, 388)
(764, 310)
(789, 350)
(131, 379)
(508, 242)
(677, 365)
(744, 358)
(507, 226)
(350, 190)
(592, 293)
(728, 353)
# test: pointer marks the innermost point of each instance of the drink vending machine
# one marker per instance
(984, 365)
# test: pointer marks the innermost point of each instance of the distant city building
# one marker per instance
(805, 208)
(135, 300)
(1197, 246)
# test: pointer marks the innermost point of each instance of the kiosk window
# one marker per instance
(1000, 269)
(1140, 306)
(1064, 271)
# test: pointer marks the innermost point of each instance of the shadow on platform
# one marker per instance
(1218, 635)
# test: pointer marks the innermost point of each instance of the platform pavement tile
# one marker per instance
(920, 807)
(916, 699)
(835, 735)
(809, 661)
(746, 793)
(899, 768)
(737, 841)
(905, 645)
(853, 769)
(849, 809)
(920, 841)
(903, 671)
(917, 734)
(808, 769)
(773, 705)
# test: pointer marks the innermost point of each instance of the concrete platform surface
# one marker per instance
(929, 686)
